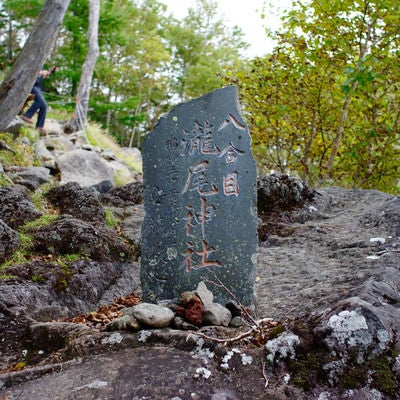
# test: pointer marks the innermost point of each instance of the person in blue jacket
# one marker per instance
(39, 104)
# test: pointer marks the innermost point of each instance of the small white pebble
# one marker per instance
(380, 240)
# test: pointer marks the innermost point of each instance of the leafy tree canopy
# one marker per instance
(325, 104)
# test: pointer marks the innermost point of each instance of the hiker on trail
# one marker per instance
(39, 104)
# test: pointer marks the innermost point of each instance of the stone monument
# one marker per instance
(200, 201)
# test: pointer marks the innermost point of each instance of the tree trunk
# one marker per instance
(82, 97)
(340, 129)
(17, 85)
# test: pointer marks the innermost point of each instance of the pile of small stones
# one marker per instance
(192, 310)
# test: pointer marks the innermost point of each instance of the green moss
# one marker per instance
(6, 276)
(22, 155)
(21, 255)
(111, 220)
(38, 278)
(276, 331)
(382, 376)
(71, 258)
(44, 220)
(354, 378)
(40, 201)
(306, 371)
(5, 180)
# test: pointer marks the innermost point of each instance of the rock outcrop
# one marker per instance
(328, 286)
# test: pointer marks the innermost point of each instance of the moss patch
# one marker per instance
(307, 371)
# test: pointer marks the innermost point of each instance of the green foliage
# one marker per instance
(38, 278)
(121, 177)
(15, 17)
(325, 104)
(111, 220)
(44, 220)
(148, 60)
(41, 203)
(5, 180)
(26, 241)
(18, 153)
(22, 254)
(6, 276)
(201, 48)
(69, 258)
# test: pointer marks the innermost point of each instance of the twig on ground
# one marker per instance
(256, 329)
(379, 253)
(264, 375)
(220, 340)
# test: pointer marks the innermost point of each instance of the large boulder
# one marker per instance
(30, 177)
(353, 344)
(44, 291)
(84, 167)
(45, 156)
(133, 154)
(131, 221)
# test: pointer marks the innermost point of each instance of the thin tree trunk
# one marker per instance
(364, 47)
(82, 98)
(340, 129)
(18, 83)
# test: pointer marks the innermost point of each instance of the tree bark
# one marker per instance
(82, 98)
(17, 85)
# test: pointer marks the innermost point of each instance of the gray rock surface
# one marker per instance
(16, 207)
(72, 163)
(67, 235)
(318, 268)
(128, 195)
(9, 241)
(30, 177)
(82, 203)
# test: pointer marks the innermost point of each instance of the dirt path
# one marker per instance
(312, 264)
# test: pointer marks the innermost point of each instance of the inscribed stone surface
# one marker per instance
(200, 201)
